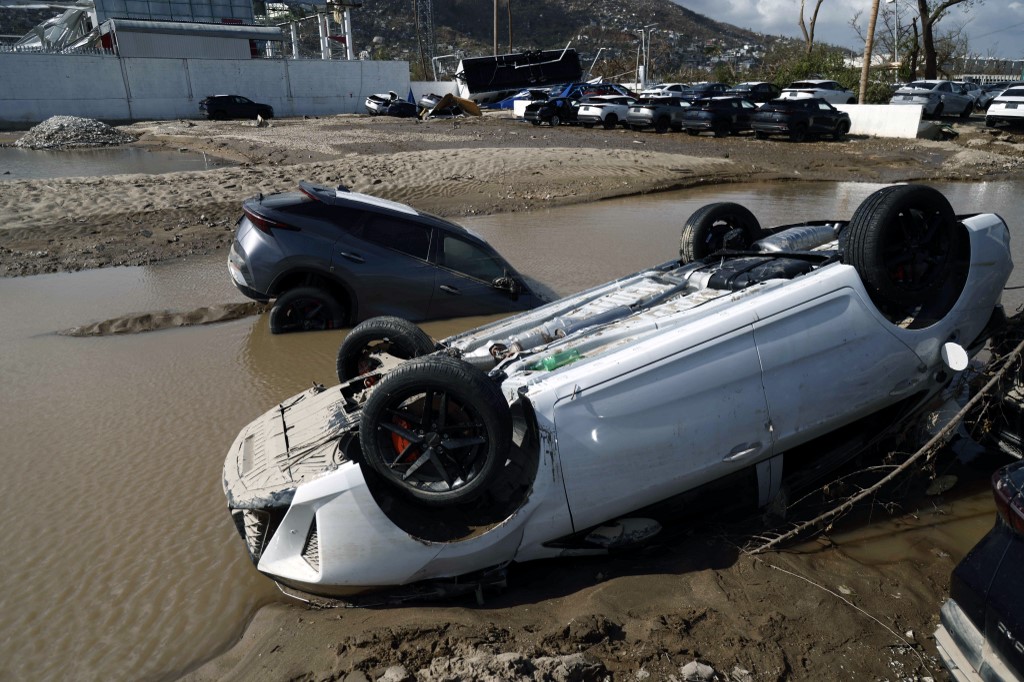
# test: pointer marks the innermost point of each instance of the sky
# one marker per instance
(995, 27)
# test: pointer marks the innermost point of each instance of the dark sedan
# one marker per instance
(222, 107)
(719, 115)
(756, 91)
(799, 119)
(981, 629)
(701, 90)
(332, 257)
(554, 112)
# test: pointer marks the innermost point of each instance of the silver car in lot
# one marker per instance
(936, 98)
(752, 361)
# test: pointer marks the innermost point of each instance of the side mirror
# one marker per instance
(506, 283)
(954, 356)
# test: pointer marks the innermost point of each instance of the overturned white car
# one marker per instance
(756, 358)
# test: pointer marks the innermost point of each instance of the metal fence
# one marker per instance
(11, 47)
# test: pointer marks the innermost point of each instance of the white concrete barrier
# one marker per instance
(883, 120)
(34, 87)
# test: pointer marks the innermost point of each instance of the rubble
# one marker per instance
(67, 132)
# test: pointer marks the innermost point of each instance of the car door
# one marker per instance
(744, 114)
(823, 116)
(827, 360)
(383, 260)
(670, 414)
(464, 279)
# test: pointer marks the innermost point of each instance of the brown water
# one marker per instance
(119, 560)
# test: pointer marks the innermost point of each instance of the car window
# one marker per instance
(400, 235)
(944, 87)
(1014, 92)
(824, 105)
(469, 259)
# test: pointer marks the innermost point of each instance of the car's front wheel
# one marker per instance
(359, 352)
(437, 429)
(968, 110)
(841, 131)
(555, 121)
(901, 241)
(715, 227)
(306, 309)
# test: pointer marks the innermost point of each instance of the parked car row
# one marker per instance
(796, 118)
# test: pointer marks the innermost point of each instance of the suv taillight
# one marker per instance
(265, 225)
(1009, 501)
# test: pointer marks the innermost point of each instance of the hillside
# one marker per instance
(681, 39)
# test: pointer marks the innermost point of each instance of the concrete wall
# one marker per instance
(883, 120)
(34, 87)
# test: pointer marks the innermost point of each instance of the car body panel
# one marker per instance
(660, 382)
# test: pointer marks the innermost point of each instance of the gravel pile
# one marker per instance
(65, 132)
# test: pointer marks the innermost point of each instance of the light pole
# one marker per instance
(895, 33)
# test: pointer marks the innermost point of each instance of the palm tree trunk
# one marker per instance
(869, 47)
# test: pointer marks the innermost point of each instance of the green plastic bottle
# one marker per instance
(555, 361)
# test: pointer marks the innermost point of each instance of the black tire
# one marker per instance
(662, 125)
(610, 121)
(841, 131)
(798, 133)
(720, 129)
(555, 121)
(535, 122)
(714, 227)
(938, 110)
(760, 136)
(968, 110)
(851, 101)
(306, 309)
(901, 241)
(692, 132)
(437, 429)
(393, 335)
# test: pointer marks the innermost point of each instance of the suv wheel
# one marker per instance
(306, 309)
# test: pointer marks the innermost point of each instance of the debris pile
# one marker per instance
(66, 132)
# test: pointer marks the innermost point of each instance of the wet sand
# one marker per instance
(814, 614)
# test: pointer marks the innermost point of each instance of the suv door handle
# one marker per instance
(450, 289)
(355, 257)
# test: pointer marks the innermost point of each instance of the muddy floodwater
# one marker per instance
(119, 559)
(20, 164)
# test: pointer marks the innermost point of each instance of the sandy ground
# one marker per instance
(814, 614)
